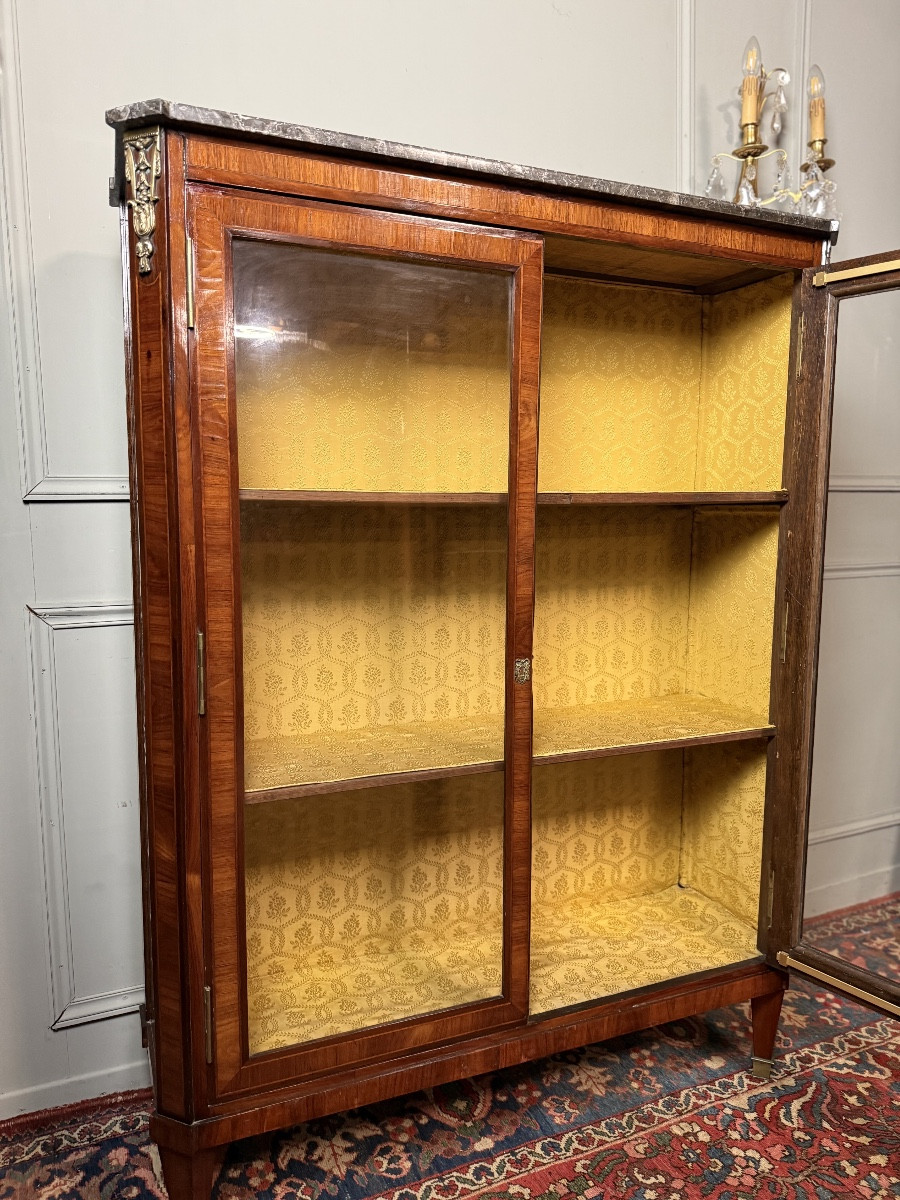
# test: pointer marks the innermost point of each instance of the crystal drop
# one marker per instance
(715, 186)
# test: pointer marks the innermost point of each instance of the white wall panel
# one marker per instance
(83, 679)
(856, 45)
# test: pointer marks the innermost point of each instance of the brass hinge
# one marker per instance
(799, 368)
(784, 630)
(207, 1022)
(201, 674)
(770, 898)
(822, 277)
(189, 282)
(785, 960)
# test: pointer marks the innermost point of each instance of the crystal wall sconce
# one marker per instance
(816, 194)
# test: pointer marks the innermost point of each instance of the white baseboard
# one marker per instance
(69, 1091)
(845, 892)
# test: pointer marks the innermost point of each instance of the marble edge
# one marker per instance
(187, 116)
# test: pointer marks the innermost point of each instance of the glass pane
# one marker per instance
(372, 401)
(852, 903)
(369, 906)
(369, 374)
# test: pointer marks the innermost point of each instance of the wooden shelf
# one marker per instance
(688, 499)
(303, 497)
(332, 761)
(586, 948)
(315, 764)
(662, 723)
(684, 499)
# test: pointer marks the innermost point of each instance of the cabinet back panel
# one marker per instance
(370, 906)
(649, 390)
(634, 603)
(620, 388)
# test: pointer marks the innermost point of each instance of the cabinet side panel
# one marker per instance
(158, 660)
(746, 343)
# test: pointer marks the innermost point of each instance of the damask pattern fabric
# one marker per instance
(627, 889)
(372, 905)
(592, 950)
(620, 380)
(654, 391)
(722, 828)
(358, 373)
(746, 343)
(605, 829)
(361, 624)
(374, 642)
(634, 606)
(734, 558)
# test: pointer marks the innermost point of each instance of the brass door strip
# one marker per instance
(207, 1022)
(822, 277)
(785, 960)
(201, 674)
(189, 280)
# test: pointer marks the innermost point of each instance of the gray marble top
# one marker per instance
(186, 116)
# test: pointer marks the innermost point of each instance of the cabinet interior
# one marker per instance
(373, 579)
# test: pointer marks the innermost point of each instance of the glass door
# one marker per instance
(367, 414)
(846, 919)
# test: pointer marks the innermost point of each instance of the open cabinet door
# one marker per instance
(841, 925)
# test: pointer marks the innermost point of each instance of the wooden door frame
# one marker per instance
(806, 476)
(214, 218)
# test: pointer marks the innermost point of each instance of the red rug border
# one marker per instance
(33, 1123)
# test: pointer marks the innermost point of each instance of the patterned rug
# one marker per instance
(667, 1114)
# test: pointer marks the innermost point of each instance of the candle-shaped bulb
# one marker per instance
(815, 87)
(752, 58)
(751, 88)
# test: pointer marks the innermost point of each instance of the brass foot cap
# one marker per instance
(762, 1068)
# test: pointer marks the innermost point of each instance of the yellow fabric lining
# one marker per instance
(388, 375)
(649, 625)
(593, 950)
(637, 605)
(374, 642)
(374, 638)
(655, 391)
(627, 888)
(371, 906)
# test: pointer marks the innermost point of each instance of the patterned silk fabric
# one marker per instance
(374, 638)
(372, 905)
(645, 867)
(635, 605)
(386, 376)
(663, 392)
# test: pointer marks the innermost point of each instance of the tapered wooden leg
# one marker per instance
(764, 1012)
(191, 1176)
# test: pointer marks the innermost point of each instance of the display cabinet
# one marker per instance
(478, 517)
